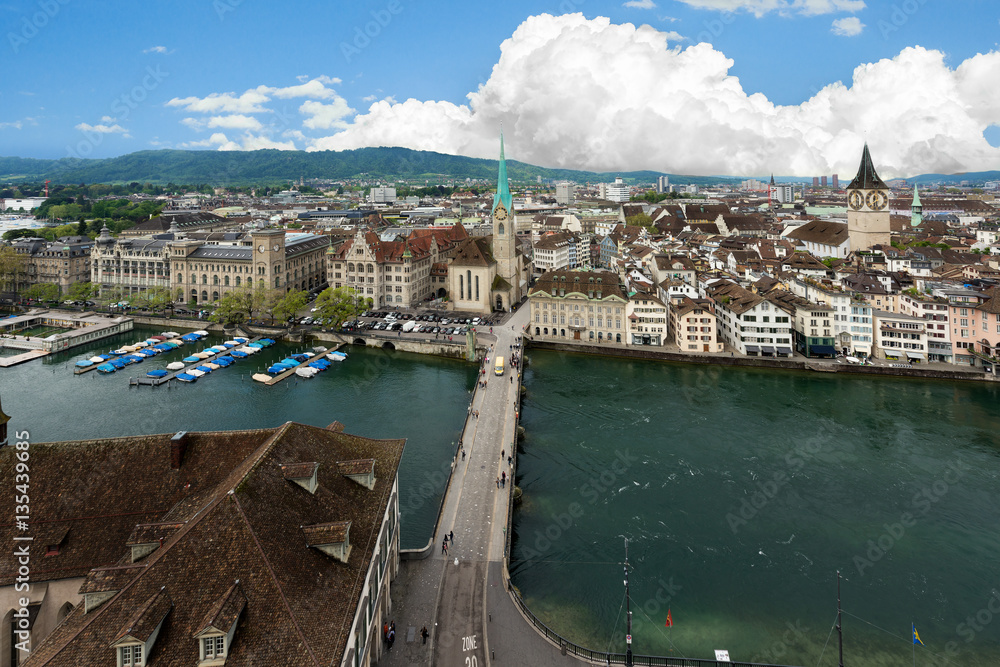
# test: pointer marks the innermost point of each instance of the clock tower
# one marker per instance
(268, 257)
(505, 234)
(868, 207)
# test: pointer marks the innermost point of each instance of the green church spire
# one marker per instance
(916, 210)
(503, 189)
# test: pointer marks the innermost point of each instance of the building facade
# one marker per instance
(132, 265)
(693, 326)
(936, 312)
(648, 322)
(975, 329)
(582, 306)
(900, 337)
(748, 323)
(62, 262)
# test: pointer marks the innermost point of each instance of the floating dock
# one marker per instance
(6, 362)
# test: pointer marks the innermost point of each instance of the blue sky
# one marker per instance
(588, 86)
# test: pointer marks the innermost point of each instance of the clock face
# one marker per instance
(260, 248)
(500, 214)
(276, 246)
(856, 200)
(876, 200)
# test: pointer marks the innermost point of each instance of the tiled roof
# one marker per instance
(823, 232)
(241, 521)
(147, 617)
(225, 611)
(474, 251)
(580, 282)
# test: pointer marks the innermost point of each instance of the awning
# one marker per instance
(914, 355)
(752, 349)
(823, 349)
(785, 350)
(767, 349)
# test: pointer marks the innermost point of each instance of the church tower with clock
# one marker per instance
(868, 207)
(505, 234)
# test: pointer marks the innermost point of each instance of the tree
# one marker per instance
(289, 304)
(339, 304)
(13, 265)
(81, 228)
(82, 291)
(239, 305)
(44, 292)
(638, 220)
(154, 299)
(111, 297)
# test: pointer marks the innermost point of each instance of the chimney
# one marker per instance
(178, 444)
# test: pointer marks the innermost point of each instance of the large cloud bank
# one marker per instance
(589, 94)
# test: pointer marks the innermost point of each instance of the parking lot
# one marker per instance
(423, 324)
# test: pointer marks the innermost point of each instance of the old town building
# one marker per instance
(62, 262)
(396, 273)
(578, 306)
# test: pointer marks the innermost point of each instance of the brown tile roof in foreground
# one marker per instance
(241, 522)
(147, 617)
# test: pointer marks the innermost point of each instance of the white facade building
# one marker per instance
(618, 191)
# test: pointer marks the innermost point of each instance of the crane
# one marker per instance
(47, 189)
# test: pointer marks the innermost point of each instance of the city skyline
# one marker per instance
(913, 79)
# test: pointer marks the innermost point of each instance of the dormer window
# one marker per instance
(332, 538)
(137, 636)
(303, 474)
(361, 471)
(148, 537)
(215, 635)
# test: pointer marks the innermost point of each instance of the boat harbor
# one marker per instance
(305, 365)
(205, 362)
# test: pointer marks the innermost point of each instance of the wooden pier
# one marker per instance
(156, 382)
(6, 362)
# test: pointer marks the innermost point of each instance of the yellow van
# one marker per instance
(498, 366)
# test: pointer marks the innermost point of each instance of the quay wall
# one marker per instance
(764, 362)
(178, 323)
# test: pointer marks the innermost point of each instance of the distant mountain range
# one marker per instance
(274, 166)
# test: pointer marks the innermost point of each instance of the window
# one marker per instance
(130, 656)
(214, 647)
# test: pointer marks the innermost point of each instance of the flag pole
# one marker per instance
(840, 626)
(628, 614)
(913, 644)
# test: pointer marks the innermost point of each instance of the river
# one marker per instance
(742, 492)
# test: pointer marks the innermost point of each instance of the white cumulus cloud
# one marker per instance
(251, 101)
(325, 116)
(640, 4)
(559, 108)
(850, 26)
(101, 128)
(761, 7)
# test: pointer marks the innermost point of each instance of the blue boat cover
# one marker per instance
(277, 368)
(224, 362)
(238, 354)
(191, 359)
(184, 377)
(289, 361)
(203, 369)
(107, 368)
(157, 374)
(258, 345)
(229, 346)
(117, 363)
(240, 339)
(83, 363)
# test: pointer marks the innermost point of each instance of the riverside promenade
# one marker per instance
(460, 596)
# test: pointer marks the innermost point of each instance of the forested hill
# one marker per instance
(243, 167)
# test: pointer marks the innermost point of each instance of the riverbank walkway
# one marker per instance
(460, 596)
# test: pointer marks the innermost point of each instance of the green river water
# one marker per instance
(741, 493)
